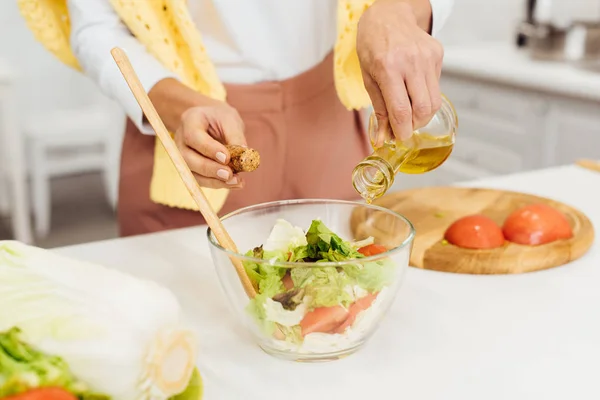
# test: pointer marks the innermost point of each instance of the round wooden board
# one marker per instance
(432, 210)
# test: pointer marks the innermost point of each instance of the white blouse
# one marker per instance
(248, 41)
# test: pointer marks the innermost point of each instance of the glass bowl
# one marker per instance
(321, 311)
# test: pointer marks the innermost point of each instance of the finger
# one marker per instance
(227, 125)
(435, 94)
(206, 145)
(194, 135)
(208, 168)
(211, 183)
(438, 70)
(438, 56)
(398, 106)
(420, 98)
(378, 122)
(434, 75)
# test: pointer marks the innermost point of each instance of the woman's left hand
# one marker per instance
(401, 64)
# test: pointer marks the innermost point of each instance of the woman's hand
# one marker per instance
(401, 64)
(200, 139)
(202, 126)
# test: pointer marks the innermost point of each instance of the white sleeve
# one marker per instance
(95, 30)
(440, 11)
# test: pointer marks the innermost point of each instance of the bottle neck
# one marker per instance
(372, 177)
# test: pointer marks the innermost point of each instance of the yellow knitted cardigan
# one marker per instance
(166, 29)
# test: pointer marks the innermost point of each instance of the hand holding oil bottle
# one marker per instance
(425, 150)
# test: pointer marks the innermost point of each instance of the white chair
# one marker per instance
(72, 141)
(14, 198)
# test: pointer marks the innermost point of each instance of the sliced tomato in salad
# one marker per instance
(323, 319)
(360, 305)
(372, 250)
(48, 393)
(335, 319)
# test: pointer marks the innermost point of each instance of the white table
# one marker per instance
(448, 336)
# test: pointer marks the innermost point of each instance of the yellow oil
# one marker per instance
(424, 153)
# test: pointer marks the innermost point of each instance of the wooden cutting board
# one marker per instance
(432, 210)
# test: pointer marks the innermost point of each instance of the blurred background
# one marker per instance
(524, 76)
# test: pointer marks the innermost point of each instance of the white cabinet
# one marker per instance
(574, 129)
(506, 129)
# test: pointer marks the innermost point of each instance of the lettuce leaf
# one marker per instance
(292, 334)
(194, 390)
(284, 236)
(24, 368)
(324, 286)
(256, 309)
(266, 275)
(372, 276)
(323, 245)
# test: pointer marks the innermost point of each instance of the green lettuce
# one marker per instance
(62, 310)
(372, 276)
(256, 309)
(23, 368)
(266, 275)
(292, 334)
(323, 245)
(194, 390)
(324, 286)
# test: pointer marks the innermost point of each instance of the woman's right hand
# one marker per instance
(202, 126)
(200, 139)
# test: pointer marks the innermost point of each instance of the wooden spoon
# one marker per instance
(182, 168)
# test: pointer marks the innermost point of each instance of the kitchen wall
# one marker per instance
(496, 20)
(482, 20)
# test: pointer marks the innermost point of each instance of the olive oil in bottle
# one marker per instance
(426, 150)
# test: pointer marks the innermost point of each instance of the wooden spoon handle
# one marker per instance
(182, 168)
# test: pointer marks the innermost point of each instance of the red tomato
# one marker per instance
(360, 305)
(49, 393)
(372, 249)
(287, 281)
(475, 232)
(536, 224)
(323, 319)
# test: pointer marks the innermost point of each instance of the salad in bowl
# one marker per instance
(319, 296)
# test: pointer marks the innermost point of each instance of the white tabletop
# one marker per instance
(506, 64)
(448, 336)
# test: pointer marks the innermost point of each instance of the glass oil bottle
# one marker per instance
(424, 151)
